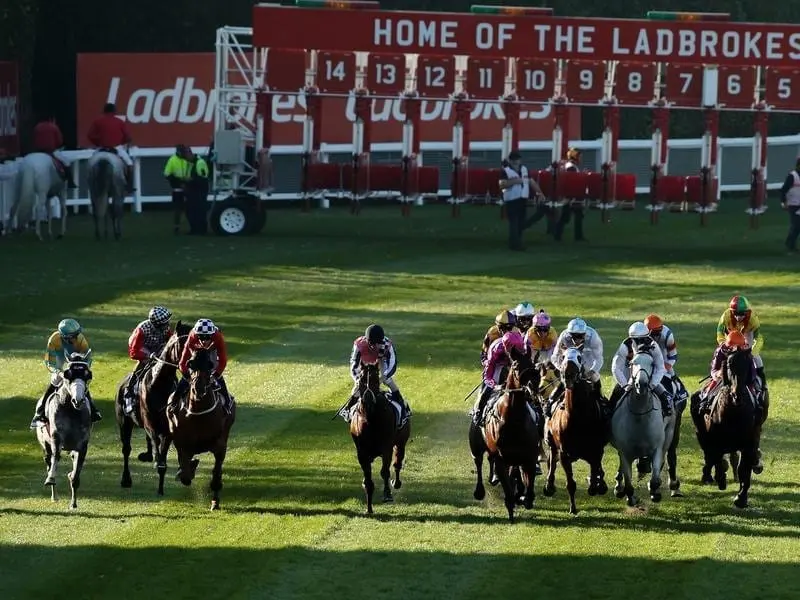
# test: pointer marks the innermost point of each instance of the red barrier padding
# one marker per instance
(477, 182)
(671, 189)
(428, 180)
(594, 186)
(572, 184)
(493, 182)
(385, 178)
(545, 180)
(625, 189)
(324, 176)
(694, 189)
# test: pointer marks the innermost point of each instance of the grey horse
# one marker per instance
(36, 182)
(107, 182)
(69, 425)
(639, 429)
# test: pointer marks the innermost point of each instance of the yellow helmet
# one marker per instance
(573, 154)
(506, 317)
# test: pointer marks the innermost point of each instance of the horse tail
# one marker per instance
(101, 181)
(25, 196)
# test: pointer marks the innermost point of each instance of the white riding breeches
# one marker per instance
(759, 362)
(62, 158)
(593, 376)
(123, 154)
(389, 382)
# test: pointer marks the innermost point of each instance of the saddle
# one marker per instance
(533, 408)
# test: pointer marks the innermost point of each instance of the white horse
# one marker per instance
(107, 182)
(37, 181)
(639, 429)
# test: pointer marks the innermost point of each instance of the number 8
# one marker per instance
(635, 82)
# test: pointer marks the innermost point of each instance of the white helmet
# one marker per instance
(204, 327)
(638, 330)
(524, 309)
(577, 326)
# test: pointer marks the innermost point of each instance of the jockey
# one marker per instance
(204, 335)
(66, 340)
(665, 338)
(500, 357)
(524, 314)
(540, 341)
(111, 134)
(47, 138)
(375, 347)
(639, 341)
(503, 323)
(578, 335)
(146, 341)
(740, 317)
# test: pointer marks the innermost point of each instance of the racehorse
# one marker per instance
(155, 385)
(639, 429)
(732, 424)
(510, 435)
(576, 431)
(377, 432)
(205, 424)
(69, 425)
(107, 182)
(37, 181)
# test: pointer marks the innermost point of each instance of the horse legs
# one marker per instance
(62, 199)
(572, 486)
(216, 476)
(508, 490)
(125, 433)
(367, 484)
(745, 469)
(386, 473)
(597, 477)
(55, 456)
(624, 485)
(78, 458)
(552, 462)
(721, 471)
(735, 462)
(672, 460)
(147, 455)
(399, 457)
(48, 459)
(655, 475)
(96, 219)
(528, 480)
(493, 478)
(162, 448)
(477, 448)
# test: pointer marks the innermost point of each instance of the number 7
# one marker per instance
(687, 81)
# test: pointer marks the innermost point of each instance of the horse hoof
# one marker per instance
(388, 499)
(573, 511)
(494, 480)
(214, 505)
(397, 484)
(549, 491)
(676, 494)
(706, 480)
(145, 457)
(656, 497)
(592, 491)
(740, 502)
(722, 485)
(528, 503)
(126, 482)
(50, 481)
(602, 488)
(479, 493)
(369, 510)
(674, 485)
(632, 501)
(73, 507)
(758, 469)
(619, 493)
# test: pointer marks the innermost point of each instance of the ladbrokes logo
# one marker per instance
(186, 103)
(169, 99)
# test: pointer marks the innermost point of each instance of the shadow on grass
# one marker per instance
(309, 573)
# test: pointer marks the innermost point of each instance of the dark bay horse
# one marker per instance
(576, 431)
(375, 432)
(731, 424)
(510, 435)
(69, 425)
(204, 425)
(155, 387)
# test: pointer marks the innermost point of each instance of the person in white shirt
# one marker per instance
(572, 164)
(516, 185)
(790, 200)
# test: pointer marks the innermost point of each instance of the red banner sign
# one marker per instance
(726, 43)
(9, 109)
(168, 99)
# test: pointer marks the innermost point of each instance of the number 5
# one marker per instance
(784, 88)
(734, 85)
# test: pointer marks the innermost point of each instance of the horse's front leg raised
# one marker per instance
(216, 476)
(55, 456)
(78, 458)
(655, 475)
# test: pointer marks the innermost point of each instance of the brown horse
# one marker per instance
(576, 431)
(375, 432)
(155, 387)
(731, 424)
(510, 435)
(205, 424)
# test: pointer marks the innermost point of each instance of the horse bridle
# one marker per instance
(158, 359)
(652, 407)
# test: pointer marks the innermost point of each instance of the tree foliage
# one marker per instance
(46, 41)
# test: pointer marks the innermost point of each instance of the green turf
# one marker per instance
(291, 301)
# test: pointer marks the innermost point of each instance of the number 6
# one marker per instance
(734, 85)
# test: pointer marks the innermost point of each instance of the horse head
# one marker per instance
(77, 375)
(523, 373)
(200, 366)
(369, 384)
(641, 372)
(738, 373)
(572, 367)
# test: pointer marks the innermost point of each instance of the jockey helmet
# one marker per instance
(638, 332)
(573, 154)
(735, 339)
(577, 326)
(374, 334)
(740, 307)
(505, 321)
(159, 316)
(513, 339)
(524, 309)
(541, 322)
(69, 328)
(654, 323)
(204, 328)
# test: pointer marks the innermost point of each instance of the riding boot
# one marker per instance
(398, 397)
(39, 417)
(555, 396)
(760, 373)
(225, 393)
(96, 416)
(666, 402)
(486, 393)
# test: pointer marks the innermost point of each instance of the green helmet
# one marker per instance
(69, 328)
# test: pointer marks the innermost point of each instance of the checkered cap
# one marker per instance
(205, 327)
(159, 315)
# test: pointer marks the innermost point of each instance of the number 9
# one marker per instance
(587, 79)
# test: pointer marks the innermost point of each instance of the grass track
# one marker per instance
(290, 302)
